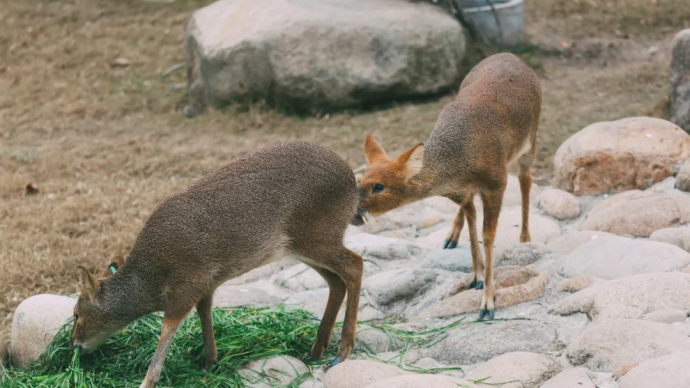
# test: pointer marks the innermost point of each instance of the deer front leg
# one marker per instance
(170, 326)
(492, 208)
(477, 261)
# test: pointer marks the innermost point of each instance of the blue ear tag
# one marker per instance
(112, 269)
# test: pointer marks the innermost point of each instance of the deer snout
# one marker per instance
(360, 217)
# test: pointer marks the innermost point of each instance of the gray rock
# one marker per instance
(413, 214)
(639, 213)
(276, 371)
(612, 258)
(371, 339)
(514, 285)
(609, 344)
(36, 321)
(683, 177)
(630, 297)
(559, 204)
(667, 315)
(299, 54)
(457, 259)
(542, 229)
(263, 272)
(680, 80)
(422, 381)
(678, 236)
(399, 285)
(668, 372)
(521, 254)
(474, 343)
(613, 156)
(570, 378)
(378, 247)
(258, 294)
(568, 242)
(300, 278)
(360, 374)
(516, 370)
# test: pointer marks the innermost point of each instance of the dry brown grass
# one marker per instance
(105, 144)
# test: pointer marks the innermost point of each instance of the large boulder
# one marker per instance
(277, 371)
(680, 80)
(607, 345)
(360, 374)
(638, 213)
(319, 55)
(668, 372)
(631, 297)
(35, 323)
(516, 370)
(613, 156)
(614, 257)
(478, 342)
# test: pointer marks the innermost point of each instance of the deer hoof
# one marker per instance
(335, 362)
(479, 285)
(483, 313)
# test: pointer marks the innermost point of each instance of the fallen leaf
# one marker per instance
(120, 62)
(31, 188)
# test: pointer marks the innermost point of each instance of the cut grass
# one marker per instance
(242, 334)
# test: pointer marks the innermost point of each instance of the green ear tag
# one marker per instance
(112, 269)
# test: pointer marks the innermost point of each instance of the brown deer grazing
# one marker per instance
(491, 123)
(293, 198)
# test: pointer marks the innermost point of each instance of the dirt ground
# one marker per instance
(90, 101)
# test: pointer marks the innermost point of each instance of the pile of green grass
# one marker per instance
(243, 334)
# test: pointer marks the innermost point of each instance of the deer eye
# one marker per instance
(378, 188)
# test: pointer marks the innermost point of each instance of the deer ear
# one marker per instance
(113, 267)
(411, 161)
(373, 150)
(86, 283)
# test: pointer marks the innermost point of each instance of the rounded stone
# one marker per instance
(36, 321)
(306, 55)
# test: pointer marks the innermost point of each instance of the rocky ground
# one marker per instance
(599, 298)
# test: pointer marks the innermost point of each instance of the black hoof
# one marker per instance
(307, 359)
(491, 315)
(335, 362)
(446, 243)
(472, 284)
(452, 244)
(479, 285)
(481, 314)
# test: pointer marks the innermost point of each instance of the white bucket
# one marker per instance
(511, 16)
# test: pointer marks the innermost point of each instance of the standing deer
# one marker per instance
(293, 198)
(491, 123)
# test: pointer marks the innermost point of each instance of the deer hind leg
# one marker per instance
(203, 308)
(454, 235)
(336, 296)
(348, 266)
(492, 202)
(525, 162)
